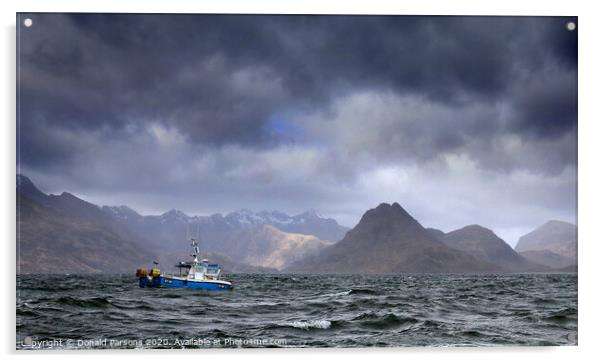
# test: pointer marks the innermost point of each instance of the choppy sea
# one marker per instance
(100, 311)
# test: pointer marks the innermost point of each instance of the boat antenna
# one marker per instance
(193, 243)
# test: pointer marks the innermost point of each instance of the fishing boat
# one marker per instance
(193, 274)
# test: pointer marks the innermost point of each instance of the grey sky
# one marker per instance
(460, 119)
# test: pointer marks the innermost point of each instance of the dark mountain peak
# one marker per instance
(388, 222)
(396, 205)
(474, 230)
(476, 227)
(394, 208)
(483, 244)
(26, 187)
(68, 200)
(24, 182)
(388, 212)
(68, 195)
(474, 233)
(388, 239)
(383, 206)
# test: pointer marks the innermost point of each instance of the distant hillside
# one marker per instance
(557, 237)
(170, 227)
(484, 245)
(51, 241)
(116, 238)
(71, 206)
(437, 233)
(240, 235)
(548, 258)
(308, 223)
(267, 246)
(387, 239)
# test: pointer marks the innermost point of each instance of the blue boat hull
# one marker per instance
(163, 281)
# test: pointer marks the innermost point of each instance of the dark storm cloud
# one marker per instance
(546, 107)
(220, 78)
(336, 113)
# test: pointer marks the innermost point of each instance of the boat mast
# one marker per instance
(194, 244)
(195, 248)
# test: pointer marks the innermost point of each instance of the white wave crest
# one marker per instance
(319, 324)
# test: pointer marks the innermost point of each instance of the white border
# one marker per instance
(590, 57)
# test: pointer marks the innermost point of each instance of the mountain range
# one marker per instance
(483, 244)
(63, 233)
(309, 222)
(388, 240)
(53, 241)
(552, 244)
(246, 241)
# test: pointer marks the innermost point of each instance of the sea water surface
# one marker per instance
(110, 311)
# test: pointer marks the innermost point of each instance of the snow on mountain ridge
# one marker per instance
(241, 218)
(121, 212)
(177, 216)
(249, 218)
